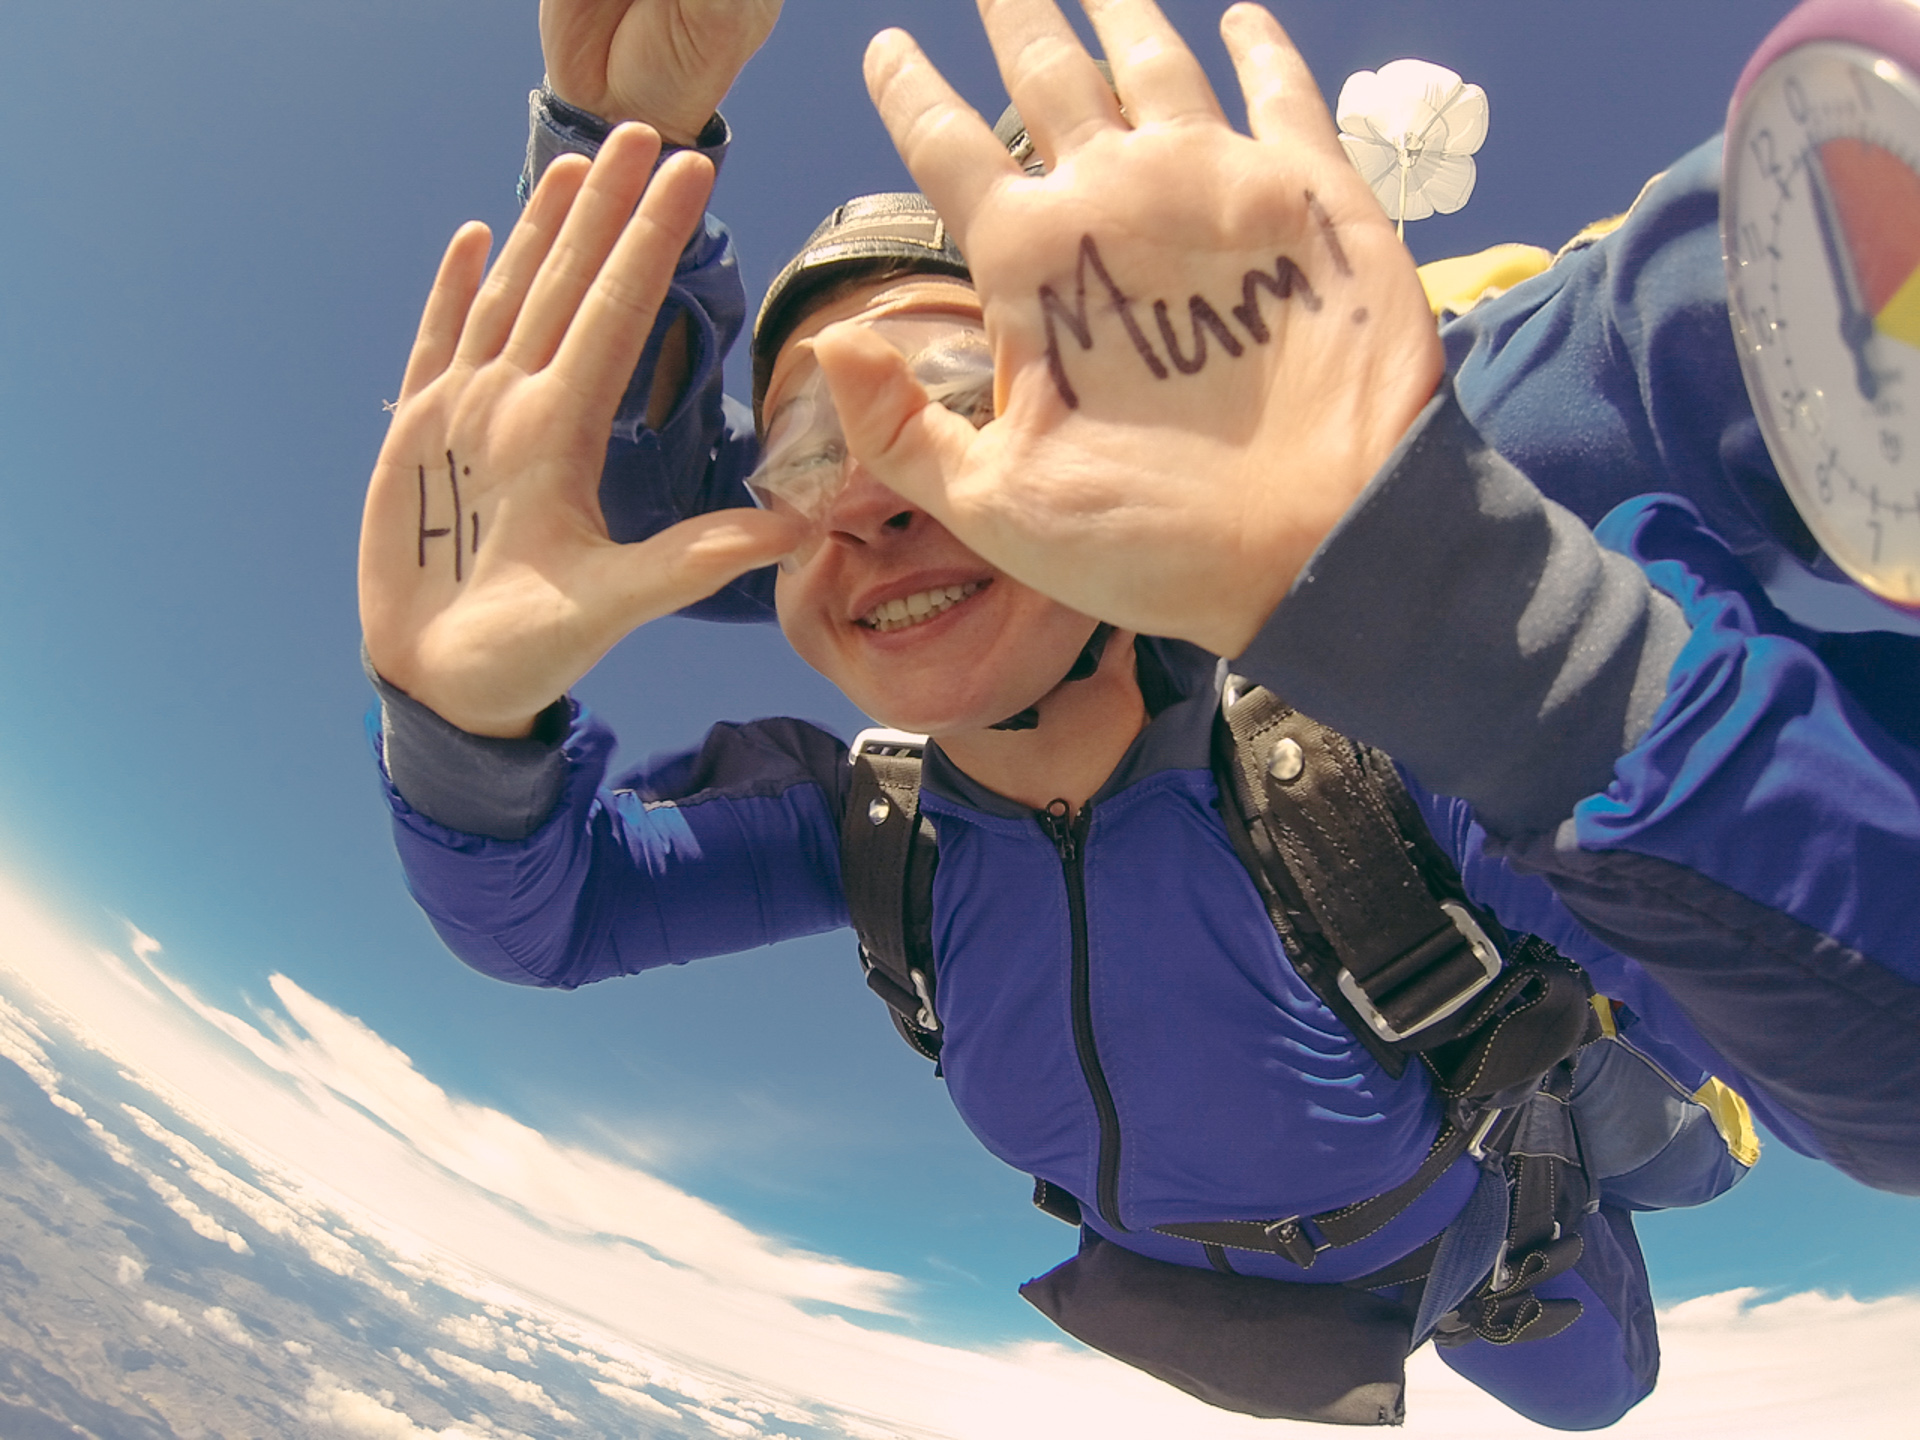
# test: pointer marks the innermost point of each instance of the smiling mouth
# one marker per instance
(918, 608)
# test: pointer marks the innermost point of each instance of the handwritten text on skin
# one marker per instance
(442, 532)
(1286, 281)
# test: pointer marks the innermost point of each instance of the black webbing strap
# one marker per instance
(1549, 1198)
(1322, 821)
(1345, 1226)
(887, 855)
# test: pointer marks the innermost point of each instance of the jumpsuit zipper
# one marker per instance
(1069, 838)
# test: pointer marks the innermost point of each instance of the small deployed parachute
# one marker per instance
(1411, 128)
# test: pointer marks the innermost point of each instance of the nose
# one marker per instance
(867, 512)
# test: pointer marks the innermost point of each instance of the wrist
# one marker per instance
(598, 115)
(557, 126)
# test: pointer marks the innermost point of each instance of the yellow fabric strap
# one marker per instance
(1603, 1007)
(1732, 1119)
(1455, 286)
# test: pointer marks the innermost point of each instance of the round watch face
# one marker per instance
(1820, 218)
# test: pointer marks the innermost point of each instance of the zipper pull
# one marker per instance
(1057, 821)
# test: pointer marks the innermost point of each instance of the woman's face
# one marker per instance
(911, 625)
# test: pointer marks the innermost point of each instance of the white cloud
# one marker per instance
(571, 1255)
(165, 1316)
(635, 1398)
(725, 1424)
(568, 1187)
(507, 1383)
(344, 1411)
(224, 1323)
(414, 1368)
(129, 1271)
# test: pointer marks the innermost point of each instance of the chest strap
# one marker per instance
(1348, 1225)
(888, 851)
(1382, 930)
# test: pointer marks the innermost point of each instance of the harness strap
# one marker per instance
(1335, 1228)
(888, 851)
(1407, 949)
(1371, 913)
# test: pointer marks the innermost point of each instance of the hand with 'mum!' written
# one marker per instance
(488, 584)
(1205, 343)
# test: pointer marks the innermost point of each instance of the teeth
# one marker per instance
(913, 609)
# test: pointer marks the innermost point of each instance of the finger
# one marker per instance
(601, 347)
(593, 227)
(498, 303)
(454, 285)
(948, 148)
(1283, 102)
(1155, 72)
(683, 564)
(911, 445)
(1062, 98)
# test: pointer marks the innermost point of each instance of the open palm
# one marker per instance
(1206, 343)
(488, 584)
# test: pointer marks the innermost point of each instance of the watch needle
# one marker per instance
(1856, 324)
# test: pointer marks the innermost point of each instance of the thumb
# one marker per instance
(687, 562)
(911, 445)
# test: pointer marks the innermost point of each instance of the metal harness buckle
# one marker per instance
(1479, 945)
(881, 741)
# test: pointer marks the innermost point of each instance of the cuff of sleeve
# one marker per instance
(555, 128)
(476, 784)
(1474, 630)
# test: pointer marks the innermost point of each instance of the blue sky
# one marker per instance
(221, 219)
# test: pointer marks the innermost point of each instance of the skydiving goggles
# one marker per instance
(804, 462)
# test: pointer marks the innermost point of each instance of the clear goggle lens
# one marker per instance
(804, 462)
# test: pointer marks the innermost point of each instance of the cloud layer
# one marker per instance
(662, 1304)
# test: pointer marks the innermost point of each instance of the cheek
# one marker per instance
(800, 621)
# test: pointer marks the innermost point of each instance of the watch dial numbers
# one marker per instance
(1795, 95)
(1767, 157)
(1821, 222)
(1823, 478)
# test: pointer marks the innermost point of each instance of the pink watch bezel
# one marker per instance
(1892, 26)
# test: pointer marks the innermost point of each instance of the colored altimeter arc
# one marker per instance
(1878, 197)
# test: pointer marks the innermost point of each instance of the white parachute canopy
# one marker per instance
(1411, 128)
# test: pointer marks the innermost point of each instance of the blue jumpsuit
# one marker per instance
(1600, 779)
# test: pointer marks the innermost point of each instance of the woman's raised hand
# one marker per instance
(488, 585)
(664, 62)
(1205, 343)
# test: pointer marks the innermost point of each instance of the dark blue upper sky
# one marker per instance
(221, 216)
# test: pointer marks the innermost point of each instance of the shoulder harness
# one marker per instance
(1374, 918)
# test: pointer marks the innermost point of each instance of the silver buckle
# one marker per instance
(882, 741)
(926, 1019)
(1484, 950)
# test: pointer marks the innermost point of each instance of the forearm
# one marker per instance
(1475, 631)
(1643, 731)
(536, 871)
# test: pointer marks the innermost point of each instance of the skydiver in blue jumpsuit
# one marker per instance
(1450, 614)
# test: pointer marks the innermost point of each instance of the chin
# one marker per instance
(937, 715)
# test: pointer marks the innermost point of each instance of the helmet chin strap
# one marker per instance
(1084, 664)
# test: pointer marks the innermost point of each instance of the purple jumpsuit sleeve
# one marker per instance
(712, 851)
